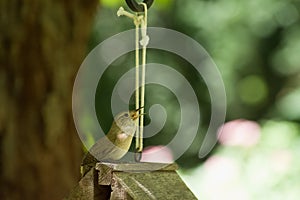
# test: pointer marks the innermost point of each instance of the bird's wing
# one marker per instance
(99, 151)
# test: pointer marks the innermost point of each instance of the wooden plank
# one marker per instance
(153, 185)
(138, 167)
(88, 188)
(127, 181)
(118, 192)
(104, 174)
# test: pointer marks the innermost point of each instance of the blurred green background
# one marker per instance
(256, 46)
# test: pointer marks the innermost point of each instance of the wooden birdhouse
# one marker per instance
(138, 181)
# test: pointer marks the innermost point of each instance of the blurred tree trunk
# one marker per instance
(42, 45)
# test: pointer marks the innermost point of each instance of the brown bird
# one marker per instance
(115, 144)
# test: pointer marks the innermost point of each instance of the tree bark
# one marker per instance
(42, 46)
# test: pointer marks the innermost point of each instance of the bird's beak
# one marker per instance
(136, 114)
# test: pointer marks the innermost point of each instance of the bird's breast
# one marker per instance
(129, 130)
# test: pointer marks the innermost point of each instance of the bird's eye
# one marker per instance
(126, 115)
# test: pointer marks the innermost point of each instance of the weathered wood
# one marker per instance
(127, 181)
(118, 192)
(88, 188)
(153, 185)
(104, 174)
(138, 167)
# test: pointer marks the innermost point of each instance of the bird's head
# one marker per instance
(127, 120)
